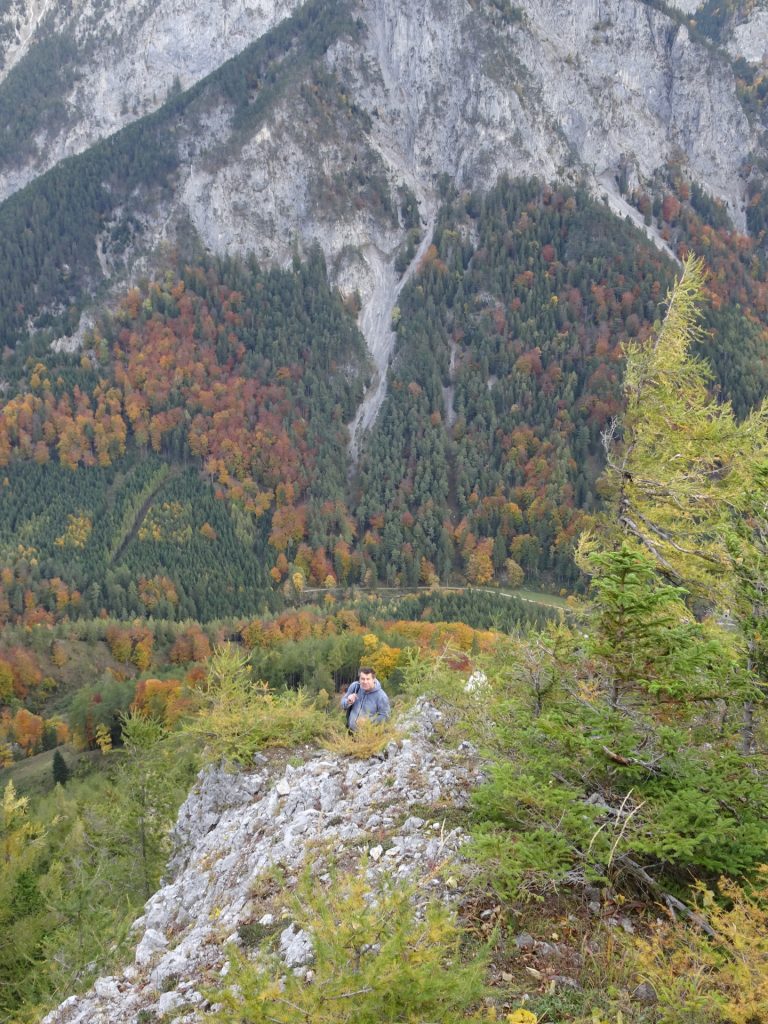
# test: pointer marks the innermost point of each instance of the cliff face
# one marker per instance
(234, 828)
(569, 90)
(749, 40)
(469, 90)
(120, 61)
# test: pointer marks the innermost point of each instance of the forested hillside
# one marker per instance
(236, 383)
(508, 368)
(198, 553)
(188, 458)
(192, 457)
(68, 232)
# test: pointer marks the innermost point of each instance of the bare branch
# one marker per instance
(348, 995)
(649, 766)
(672, 902)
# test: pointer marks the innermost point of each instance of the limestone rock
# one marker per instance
(106, 988)
(152, 942)
(169, 1001)
(228, 835)
(750, 39)
(567, 90)
(296, 947)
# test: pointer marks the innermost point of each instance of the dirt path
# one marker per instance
(524, 594)
(142, 513)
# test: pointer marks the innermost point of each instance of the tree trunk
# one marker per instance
(748, 728)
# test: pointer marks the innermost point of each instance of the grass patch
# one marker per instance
(34, 775)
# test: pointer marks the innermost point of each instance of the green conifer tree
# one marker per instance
(60, 769)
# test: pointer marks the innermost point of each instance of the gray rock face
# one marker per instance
(449, 87)
(570, 90)
(296, 947)
(153, 941)
(234, 827)
(132, 55)
(750, 39)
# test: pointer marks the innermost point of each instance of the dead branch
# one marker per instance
(672, 903)
(649, 766)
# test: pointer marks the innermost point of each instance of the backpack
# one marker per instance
(353, 688)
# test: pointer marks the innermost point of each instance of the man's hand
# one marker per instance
(351, 699)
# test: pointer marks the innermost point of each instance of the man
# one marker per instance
(365, 699)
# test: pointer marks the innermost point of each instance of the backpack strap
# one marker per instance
(352, 688)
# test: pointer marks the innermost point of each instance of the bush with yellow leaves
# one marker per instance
(380, 957)
(382, 658)
(369, 738)
(703, 980)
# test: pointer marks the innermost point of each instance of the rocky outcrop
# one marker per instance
(750, 39)
(567, 88)
(562, 87)
(234, 828)
(129, 57)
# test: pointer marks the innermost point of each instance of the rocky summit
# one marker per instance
(235, 828)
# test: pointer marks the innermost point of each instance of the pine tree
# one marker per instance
(60, 769)
(642, 633)
(679, 463)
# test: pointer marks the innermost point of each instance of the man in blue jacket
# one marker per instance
(365, 699)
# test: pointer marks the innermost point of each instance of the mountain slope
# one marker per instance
(468, 91)
(397, 143)
(73, 74)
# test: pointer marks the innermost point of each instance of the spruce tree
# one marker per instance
(61, 772)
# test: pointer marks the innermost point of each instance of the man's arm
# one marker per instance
(383, 709)
(351, 691)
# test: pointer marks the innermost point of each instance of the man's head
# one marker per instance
(367, 679)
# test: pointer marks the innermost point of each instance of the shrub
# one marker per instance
(368, 739)
(379, 957)
(242, 716)
(579, 789)
(700, 979)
